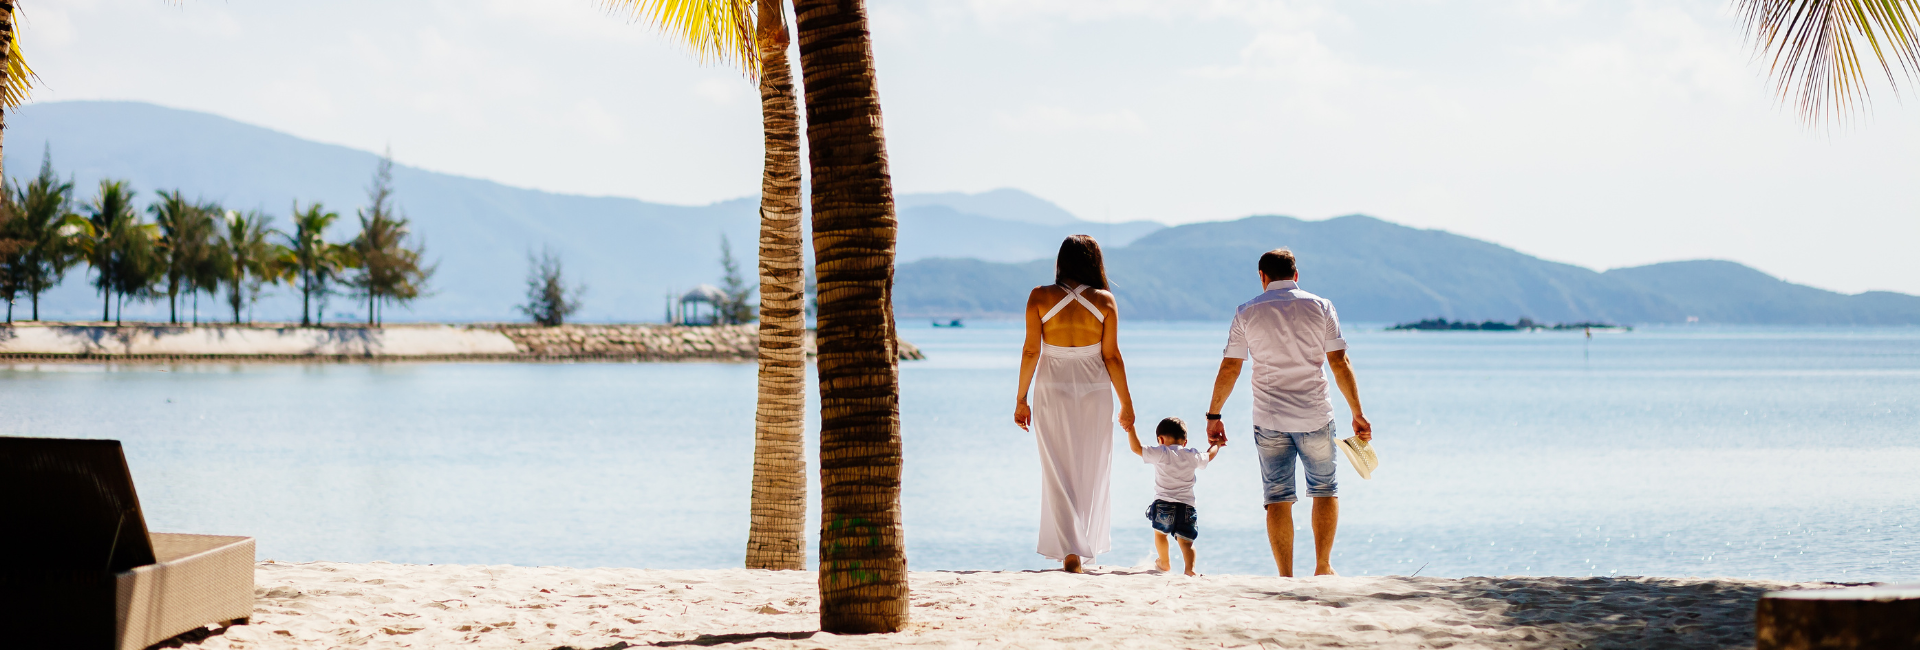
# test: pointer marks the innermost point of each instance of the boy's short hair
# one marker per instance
(1174, 428)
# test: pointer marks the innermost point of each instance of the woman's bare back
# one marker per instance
(1073, 325)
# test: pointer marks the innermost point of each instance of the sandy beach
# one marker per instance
(379, 605)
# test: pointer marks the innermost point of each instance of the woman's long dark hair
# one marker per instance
(1080, 261)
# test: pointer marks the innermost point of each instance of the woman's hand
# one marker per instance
(1022, 415)
(1126, 417)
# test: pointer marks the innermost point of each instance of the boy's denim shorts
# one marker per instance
(1277, 451)
(1174, 518)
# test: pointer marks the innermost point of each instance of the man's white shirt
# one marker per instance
(1287, 334)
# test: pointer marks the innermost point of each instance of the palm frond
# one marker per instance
(716, 30)
(1815, 58)
(19, 78)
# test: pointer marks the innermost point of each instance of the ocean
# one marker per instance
(1787, 453)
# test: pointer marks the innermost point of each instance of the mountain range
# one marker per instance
(961, 255)
(1377, 271)
(630, 254)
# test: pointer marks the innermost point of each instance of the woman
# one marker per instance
(1072, 363)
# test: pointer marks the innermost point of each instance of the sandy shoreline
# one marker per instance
(379, 605)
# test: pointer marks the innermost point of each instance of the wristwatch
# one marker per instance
(1213, 416)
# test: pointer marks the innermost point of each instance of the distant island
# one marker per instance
(1522, 325)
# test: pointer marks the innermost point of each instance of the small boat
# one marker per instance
(954, 323)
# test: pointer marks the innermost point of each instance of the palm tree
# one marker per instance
(392, 270)
(13, 250)
(1813, 49)
(203, 275)
(122, 248)
(317, 263)
(186, 238)
(863, 562)
(722, 30)
(55, 236)
(249, 259)
(16, 79)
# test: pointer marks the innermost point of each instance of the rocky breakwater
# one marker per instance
(93, 342)
(650, 342)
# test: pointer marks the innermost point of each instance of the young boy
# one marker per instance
(1172, 512)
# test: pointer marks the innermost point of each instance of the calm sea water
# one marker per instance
(1766, 452)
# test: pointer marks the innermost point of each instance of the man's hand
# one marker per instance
(1216, 433)
(1362, 429)
(1022, 415)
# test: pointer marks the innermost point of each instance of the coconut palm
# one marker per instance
(186, 242)
(862, 556)
(317, 264)
(863, 562)
(1813, 52)
(203, 275)
(724, 30)
(393, 267)
(55, 236)
(122, 250)
(248, 259)
(13, 252)
(16, 79)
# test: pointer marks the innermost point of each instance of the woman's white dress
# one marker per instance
(1073, 421)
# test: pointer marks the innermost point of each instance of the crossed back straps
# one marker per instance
(1073, 295)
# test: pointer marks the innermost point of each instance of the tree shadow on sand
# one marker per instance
(1639, 613)
(706, 640)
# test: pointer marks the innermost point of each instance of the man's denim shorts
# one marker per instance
(1277, 451)
(1175, 518)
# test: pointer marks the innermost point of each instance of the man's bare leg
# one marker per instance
(1280, 536)
(1326, 518)
(1072, 564)
(1160, 544)
(1186, 551)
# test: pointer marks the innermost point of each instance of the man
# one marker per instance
(1289, 334)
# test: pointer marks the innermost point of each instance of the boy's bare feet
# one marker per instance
(1072, 564)
(1192, 574)
(1163, 565)
(1324, 570)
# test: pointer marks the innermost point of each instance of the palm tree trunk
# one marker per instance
(106, 303)
(306, 291)
(778, 528)
(6, 53)
(863, 561)
(233, 293)
(173, 312)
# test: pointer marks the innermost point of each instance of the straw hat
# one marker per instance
(1360, 455)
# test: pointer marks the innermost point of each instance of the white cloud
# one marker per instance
(727, 91)
(1055, 119)
(1599, 132)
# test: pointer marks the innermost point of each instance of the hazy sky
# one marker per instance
(1603, 133)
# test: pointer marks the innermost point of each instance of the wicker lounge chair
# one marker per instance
(80, 569)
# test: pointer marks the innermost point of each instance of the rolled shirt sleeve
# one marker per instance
(1237, 338)
(1334, 341)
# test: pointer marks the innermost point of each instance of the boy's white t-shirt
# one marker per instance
(1173, 468)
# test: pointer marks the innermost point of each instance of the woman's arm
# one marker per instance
(1116, 367)
(1029, 359)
